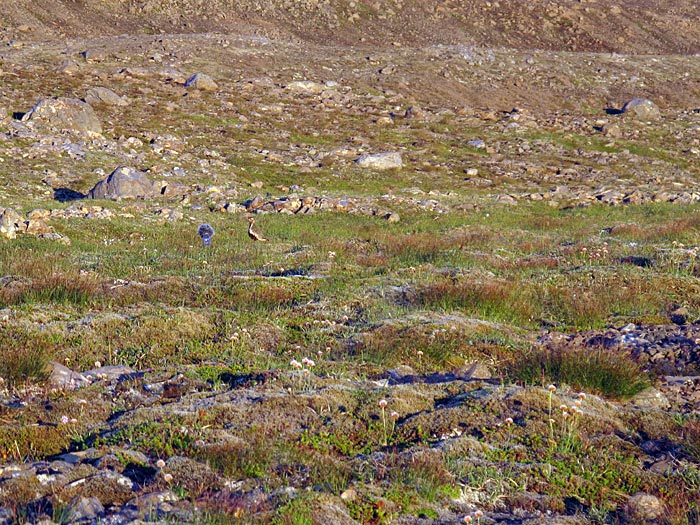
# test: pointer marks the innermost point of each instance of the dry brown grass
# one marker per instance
(664, 231)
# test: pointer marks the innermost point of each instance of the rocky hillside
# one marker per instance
(628, 26)
(478, 300)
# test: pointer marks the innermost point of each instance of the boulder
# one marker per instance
(10, 222)
(643, 508)
(123, 182)
(64, 114)
(103, 95)
(641, 109)
(305, 86)
(381, 161)
(82, 509)
(63, 378)
(650, 399)
(201, 81)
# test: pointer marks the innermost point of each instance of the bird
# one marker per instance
(256, 236)
(206, 232)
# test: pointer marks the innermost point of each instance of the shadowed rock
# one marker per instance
(123, 182)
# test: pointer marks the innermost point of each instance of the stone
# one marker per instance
(680, 315)
(612, 130)
(650, 398)
(37, 227)
(415, 112)
(474, 371)
(10, 222)
(305, 86)
(153, 499)
(644, 509)
(201, 81)
(81, 509)
(381, 161)
(112, 372)
(64, 114)
(642, 109)
(103, 95)
(69, 67)
(93, 55)
(63, 378)
(255, 203)
(123, 182)
(611, 197)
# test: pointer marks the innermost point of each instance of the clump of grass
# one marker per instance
(595, 370)
(24, 358)
(240, 459)
(691, 439)
(491, 299)
(391, 345)
(57, 287)
(23, 366)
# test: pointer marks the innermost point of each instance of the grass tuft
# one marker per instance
(594, 370)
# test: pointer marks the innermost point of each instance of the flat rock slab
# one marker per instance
(381, 161)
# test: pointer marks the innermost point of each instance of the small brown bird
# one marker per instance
(256, 236)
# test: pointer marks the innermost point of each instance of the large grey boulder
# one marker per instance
(381, 161)
(642, 109)
(64, 114)
(123, 182)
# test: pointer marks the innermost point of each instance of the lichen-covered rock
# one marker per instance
(123, 182)
(642, 109)
(64, 114)
(644, 509)
(381, 161)
(10, 222)
(305, 86)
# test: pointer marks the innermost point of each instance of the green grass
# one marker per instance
(595, 370)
